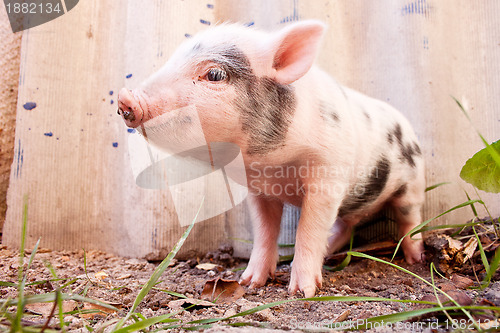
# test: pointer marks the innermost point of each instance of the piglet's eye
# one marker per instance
(216, 74)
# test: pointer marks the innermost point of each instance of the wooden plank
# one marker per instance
(71, 154)
(71, 150)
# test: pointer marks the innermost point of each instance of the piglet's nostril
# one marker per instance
(129, 107)
(129, 115)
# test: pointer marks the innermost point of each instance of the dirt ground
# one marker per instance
(118, 280)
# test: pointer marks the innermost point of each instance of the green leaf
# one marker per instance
(482, 171)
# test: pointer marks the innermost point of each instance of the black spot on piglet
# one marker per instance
(375, 184)
(328, 113)
(401, 191)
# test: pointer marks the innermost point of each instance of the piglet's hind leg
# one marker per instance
(407, 206)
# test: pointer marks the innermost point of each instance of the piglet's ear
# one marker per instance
(295, 48)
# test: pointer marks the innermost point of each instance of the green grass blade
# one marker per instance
(474, 211)
(362, 255)
(430, 188)
(418, 228)
(145, 323)
(70, 282)
(404, 316)
(32, 256)
(16, 325)
(344, 262)
(493, 267)
(481, 250)
(495, 225)
(51, 269)
(450, 226)
(172, 293)
(435, 293)
(50, 297)
(311, 299)
(159, 270)
(79, 298)
(60, 308)
(285, 258)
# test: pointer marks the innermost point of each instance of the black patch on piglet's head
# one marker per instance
(266, 110)
(265, 106)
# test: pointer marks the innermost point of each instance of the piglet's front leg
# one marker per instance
(266, 218)
(317, 216)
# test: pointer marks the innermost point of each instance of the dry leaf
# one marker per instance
(207, 266)
(100, 309)
(189, 303)
(342, 317)
(101, 275)
(459, 296)
(222, 291)
(461, 282)
(452, 254)
(44, 309)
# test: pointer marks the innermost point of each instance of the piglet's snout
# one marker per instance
(130, 108)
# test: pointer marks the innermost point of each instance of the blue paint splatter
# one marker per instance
(209, 5)
(295, 14)
(115, 144)
(416, 7)
(19, 160)
(128, 76)
(202, 21)
(112, 102)
(111, 93)
(188, 35)
(249, 24)
(48, 134)
(131, 130)
(29, 106)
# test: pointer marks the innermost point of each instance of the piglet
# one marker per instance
(306, 140)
